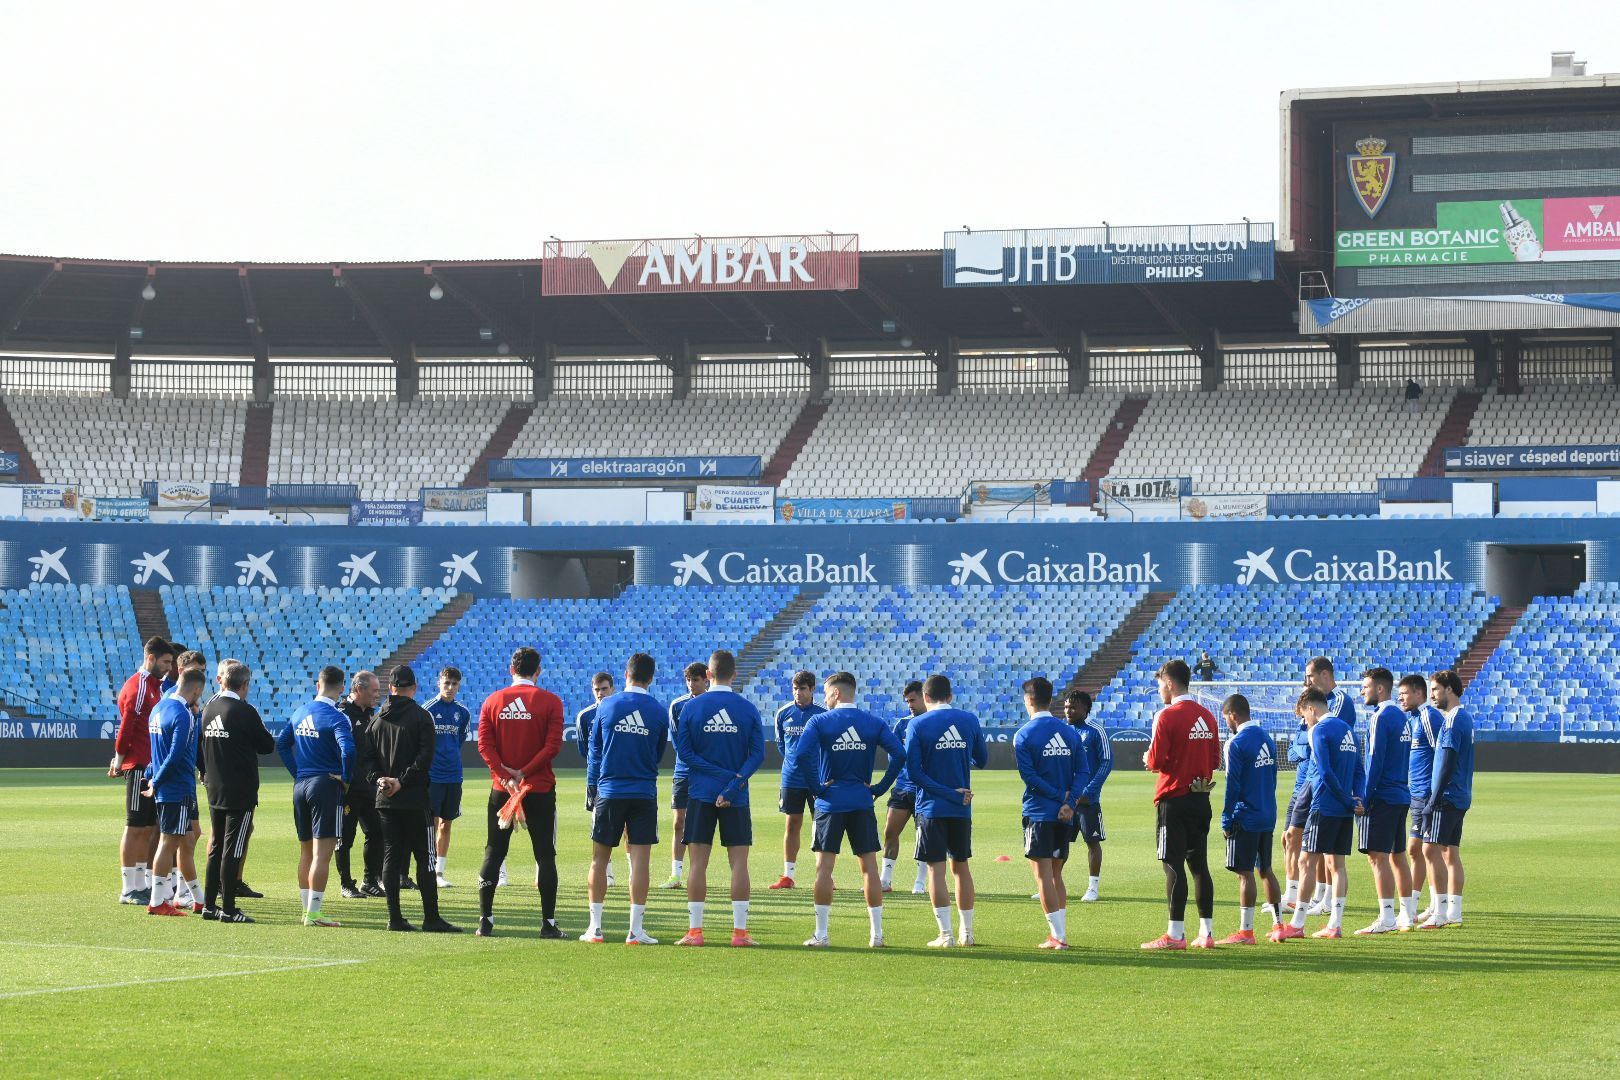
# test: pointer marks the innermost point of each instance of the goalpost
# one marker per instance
(1271, 703)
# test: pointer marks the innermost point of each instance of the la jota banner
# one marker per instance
(814, 261)
(1494, 231)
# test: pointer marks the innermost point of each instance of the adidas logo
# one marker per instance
(1200, 730)
(306, 729)
(216, 729)
(849, 740)
(629, 725)
(1348, 743)
(515, 709)
(951, 740)
(1056, 747)
(1263, 758)
(720, 724)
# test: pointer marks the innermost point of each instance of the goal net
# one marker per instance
(1271, 703)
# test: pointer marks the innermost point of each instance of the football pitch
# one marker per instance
(1530, 985)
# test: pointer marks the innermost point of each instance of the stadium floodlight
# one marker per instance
(149, 293)
(437, 292)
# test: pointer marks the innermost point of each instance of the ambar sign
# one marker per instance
(701, 264)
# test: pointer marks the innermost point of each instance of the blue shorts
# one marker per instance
(939, 838)
(1444, 826)
(176, 818)
(444, 801)
(1420, 820)
(903, 800)
(1087, 824)
(1382, 829)
(1299, 808)
(678, 797)
(318, 808)
(736, 824)
(859, 825)
(635, 820)
(1046, 839)
(795, 800)
(1246, 851)
(1328, 835)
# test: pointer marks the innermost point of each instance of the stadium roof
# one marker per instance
(64, 305)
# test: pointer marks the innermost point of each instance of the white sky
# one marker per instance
(359, 131)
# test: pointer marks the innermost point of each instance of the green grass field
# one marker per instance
(1528, 986)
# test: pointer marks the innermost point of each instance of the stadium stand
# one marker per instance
(746, 426)
(108, 446)
(1242, 441)
(987, 638)
(390, 449)
(1556, 665)
(68, 647)
(1265, 635)
(286, 634)
(1586, 413)
(896, 445)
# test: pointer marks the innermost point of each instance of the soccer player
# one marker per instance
(451, 719)
(796, 793)
(1249, 816)
(844, 741)
(1051, 763)
(1319, 673)
(903, 797)
(1099, 762)
(172, 732)
(1451, 793)
(1424, 724)
(233, 738)
(943, 746)
(1334, 806)
(132, 753)
(519, 733)
(397, 760)
(1381, 830)
(188, 889)
(621, 789)
(722, 741)
(697, 682)
(317, 746)
(1185, 751)
(1299, 809)
(360, 803)
(601, 688)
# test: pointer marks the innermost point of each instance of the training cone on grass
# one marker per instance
(1003, 858)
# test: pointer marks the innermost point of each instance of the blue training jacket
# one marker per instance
(722, 741)
(1333, 768)
(317, 741)
(1389, 753)
(943, 746)
(451, 719)
(790, 721)
(1251, 781)
(846, 741)
(628, 738)
(173, 731)
(1052, 764)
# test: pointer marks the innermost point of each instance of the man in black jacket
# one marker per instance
(233, 738)
(360, 809)
(396, 759)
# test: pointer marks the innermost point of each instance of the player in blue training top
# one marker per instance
(601, 687)
(845, 740)
(1051, 763)
(451, 719)
(1451, 793)
(943, 746)
(1334, 805)
(317, 746)
(722, 741)
(1099, 762)
(902, 797)
(1423, 724)
(173, 734)
(697, 681)
(1249, 817)
(621, 791)
(796, 794)
(1381, 829)
(1294, 817)
(1319, 673)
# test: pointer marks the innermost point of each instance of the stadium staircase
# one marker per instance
(11, 442)
(793, 442)
(500, 441)
(256, 444)
(1115, 652)
(1491, 635)
(150, 618)
(430, 632)
(762, 647)
(1453, 431)
(1106, 452)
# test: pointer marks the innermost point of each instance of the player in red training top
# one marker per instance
(1185, 751)
(132, 752)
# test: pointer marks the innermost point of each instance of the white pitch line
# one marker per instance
(176, 978)
(173, 952)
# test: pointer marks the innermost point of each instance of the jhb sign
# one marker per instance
(701, 264)
(1106, 256)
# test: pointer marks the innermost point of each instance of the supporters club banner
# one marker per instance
(1223, 507)
(805, 263)
(672, 468)
(454, 499)
(385, 512)
(103, 508)
(1132, 255)
(1526, 458)
(842, 510)
(182, 495)
(51, 497)
(736, 500)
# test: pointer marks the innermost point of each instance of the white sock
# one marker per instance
(887, 877)
(1409, 906)
(942, 915)
(1437, 902)
(967, 922)
(1298, 921)
(303, 899)
(159, 887)
(1386, 910)
(132, 879)
(1290, 890)
(789, 869)
(1245, 918)
(596, 918)
(176, 883)
(922, 874)
(315, 898)
(676, 866)
(1276, 915)
(1454, 908)
(823, 912)
(1321, 892)
(196, 890)
(1178, 929)
(1092, 885)
(636, 912)
(143, 876)
(739, 914)
(875, 914)
(694, 914)
(1063, 924)
(1336, 917)
(1206, 927)
(1054, 924)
